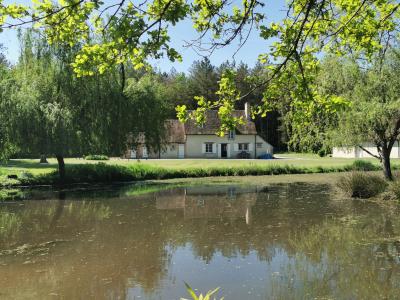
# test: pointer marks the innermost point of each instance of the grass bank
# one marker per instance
(108, 173)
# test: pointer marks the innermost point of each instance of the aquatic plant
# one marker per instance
(11, 194)
(10, 224)
(201, 297)
(88, 210)
(362, 185)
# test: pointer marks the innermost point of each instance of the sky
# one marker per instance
(274, 10)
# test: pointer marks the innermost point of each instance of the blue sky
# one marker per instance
(184, 32)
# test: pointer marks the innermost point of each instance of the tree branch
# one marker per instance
(370, 153)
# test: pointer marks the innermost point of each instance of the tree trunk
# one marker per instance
(387, 170)
(122, 74)
(59, 210)
(61, 168)
(43, 159)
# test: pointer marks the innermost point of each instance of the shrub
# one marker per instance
(361, 185)
(364, 165)
(395, 189)
(96, 157)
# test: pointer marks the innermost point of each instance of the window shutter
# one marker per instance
(214, 146)
(250, 147)
(235, 147)
(203, 148)
(219, 150)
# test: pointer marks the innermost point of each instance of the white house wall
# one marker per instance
(170, 151)
(266, 148)
(194, 147)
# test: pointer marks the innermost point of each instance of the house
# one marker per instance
(357, 152)
(210, 202)
(190, 140)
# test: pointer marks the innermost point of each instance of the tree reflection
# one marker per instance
(113, 244)
(350, 257)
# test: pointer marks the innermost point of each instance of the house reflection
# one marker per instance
(210, 202)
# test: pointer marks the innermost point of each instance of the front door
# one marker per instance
(181, 151)
(224, 150)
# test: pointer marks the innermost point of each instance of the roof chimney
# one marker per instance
(247, 111)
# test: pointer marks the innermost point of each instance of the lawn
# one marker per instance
(18, 166)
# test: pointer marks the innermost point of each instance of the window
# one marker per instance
(259, 145)
(231, 134)
(243, 147)
(209, 147)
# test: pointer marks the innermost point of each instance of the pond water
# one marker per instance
(288, 241)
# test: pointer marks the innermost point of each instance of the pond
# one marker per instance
(278, 241)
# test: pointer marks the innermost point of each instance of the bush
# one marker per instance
(395, 189)
(243, 155)
(96, 157)
(364, 165)
(361, 185)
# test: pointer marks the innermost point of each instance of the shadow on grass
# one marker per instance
(27, 164)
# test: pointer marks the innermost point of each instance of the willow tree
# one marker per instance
(6, 146)
(124, 32)
(52, 112)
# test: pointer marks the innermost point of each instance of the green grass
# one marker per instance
(30, 172)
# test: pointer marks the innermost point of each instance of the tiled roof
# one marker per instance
(212, 124)
(175, 132)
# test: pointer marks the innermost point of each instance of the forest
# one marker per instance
(83, 82)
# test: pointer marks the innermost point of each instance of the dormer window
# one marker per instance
(231, 134)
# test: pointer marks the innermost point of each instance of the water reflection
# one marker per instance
(217, 202)
(289, 241)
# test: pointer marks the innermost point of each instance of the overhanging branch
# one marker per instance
(369, 152)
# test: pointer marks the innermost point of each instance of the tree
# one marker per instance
(6, 145)
(123, 32)
(203, 79)
(176, 90)
(52, 112)
(374, 113)
(148, 110)
(3, 59)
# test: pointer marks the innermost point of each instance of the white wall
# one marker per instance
(194, 145)
(356, 152)
(266, 147)
(344, 152)
(170, 151)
